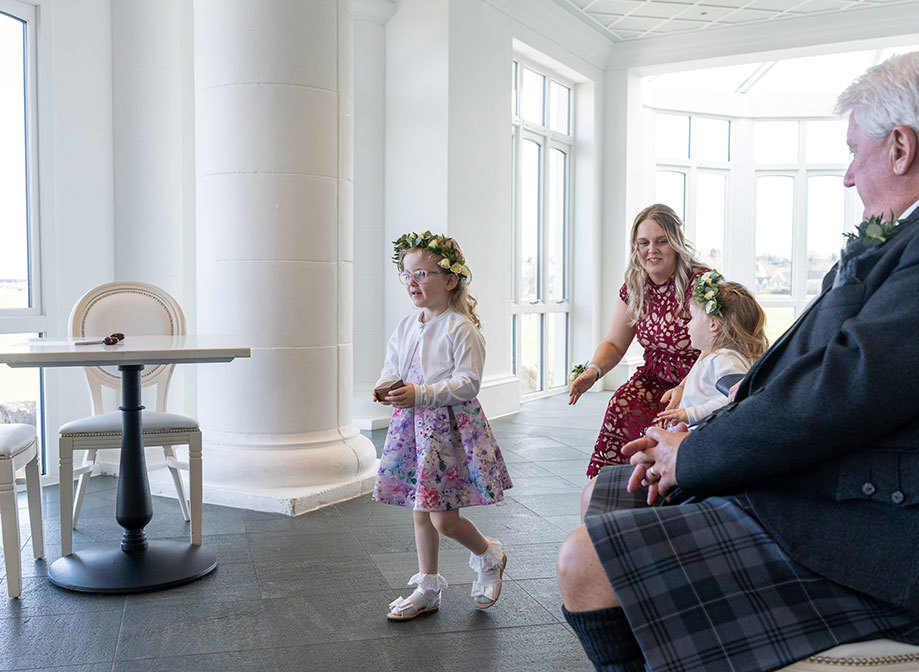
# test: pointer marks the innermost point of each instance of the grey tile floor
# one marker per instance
(311, 592)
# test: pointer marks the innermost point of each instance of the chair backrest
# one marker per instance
(135, 309)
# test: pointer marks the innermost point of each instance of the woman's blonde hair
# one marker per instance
(686, 263)
(461, 299)
(742, 321)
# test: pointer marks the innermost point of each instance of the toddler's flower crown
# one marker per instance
(452, 262)
(706, 292)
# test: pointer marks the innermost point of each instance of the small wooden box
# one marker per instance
(386, 388)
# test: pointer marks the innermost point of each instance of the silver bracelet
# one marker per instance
(597, 368)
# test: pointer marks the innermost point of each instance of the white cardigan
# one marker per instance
(700, 396)
(452, 354)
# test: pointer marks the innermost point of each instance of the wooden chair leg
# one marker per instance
(169, 453)
(195, 485)
(65, 447)
(88, 464)
(9, 520)
(33, 492)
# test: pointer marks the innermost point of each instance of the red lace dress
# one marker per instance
(668, 358)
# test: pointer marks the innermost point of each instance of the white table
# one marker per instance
(136, 564)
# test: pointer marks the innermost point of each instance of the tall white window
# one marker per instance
(802, 209)
(541, 148)
(20, 291)
(692, 176)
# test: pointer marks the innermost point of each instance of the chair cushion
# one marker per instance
(875, 654)
(14, 438)
(110, 424)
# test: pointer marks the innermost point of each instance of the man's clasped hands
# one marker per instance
(653, 457)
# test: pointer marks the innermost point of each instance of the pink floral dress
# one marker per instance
(440, 458)
(668, 357)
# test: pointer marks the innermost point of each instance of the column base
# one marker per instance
(290, 501)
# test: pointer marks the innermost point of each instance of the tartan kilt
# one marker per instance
(706, 589)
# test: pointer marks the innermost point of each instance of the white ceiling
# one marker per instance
(625, 20)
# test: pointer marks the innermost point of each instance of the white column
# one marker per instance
(273, 83)
(372, 267)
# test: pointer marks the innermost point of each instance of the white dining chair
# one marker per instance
(134, 309)
(18, 449)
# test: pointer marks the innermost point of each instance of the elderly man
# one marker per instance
(793, 518)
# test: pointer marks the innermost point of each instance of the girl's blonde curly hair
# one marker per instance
(461, 299)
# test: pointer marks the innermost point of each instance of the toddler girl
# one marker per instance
(440, 454)
(727, 326)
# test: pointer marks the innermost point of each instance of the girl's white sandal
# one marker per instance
(425, 598)
(486, 589)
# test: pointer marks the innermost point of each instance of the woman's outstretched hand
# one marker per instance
(654, 460)
(581, 384)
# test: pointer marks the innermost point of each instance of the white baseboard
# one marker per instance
(500, 396)
(365, 414)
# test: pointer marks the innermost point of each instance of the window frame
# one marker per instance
(801, 171)
(31, 318)
(691, 167)
(741, 174)
(523, 130)
(34, 318)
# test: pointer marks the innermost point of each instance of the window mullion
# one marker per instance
(542, 265)
(515, 176)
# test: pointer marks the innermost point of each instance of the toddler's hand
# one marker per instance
(672, 398)
(676, 415)
(404, 397)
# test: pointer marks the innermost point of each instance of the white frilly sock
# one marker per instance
(433, 583)
(490, 559)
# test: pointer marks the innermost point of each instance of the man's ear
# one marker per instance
(903, 148)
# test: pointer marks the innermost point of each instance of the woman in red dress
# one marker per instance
(652, 305)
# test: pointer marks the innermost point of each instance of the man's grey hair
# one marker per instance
(885, 96)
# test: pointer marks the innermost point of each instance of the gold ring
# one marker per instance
(653, 473)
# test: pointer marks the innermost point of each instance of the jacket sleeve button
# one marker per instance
(897, 497)
(868, 489)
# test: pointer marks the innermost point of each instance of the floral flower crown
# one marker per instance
(452, 262)
(706, 292)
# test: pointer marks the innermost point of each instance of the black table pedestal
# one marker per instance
(136, 564)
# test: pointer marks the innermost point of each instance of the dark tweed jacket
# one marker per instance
(824, 434)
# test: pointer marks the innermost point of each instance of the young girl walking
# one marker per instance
(440, 454)
(726, 325)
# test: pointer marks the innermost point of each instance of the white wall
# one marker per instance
(448, 159)
(76, 184)
(416, 112)
(479, 179)
(153, 142)
(370, 263)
